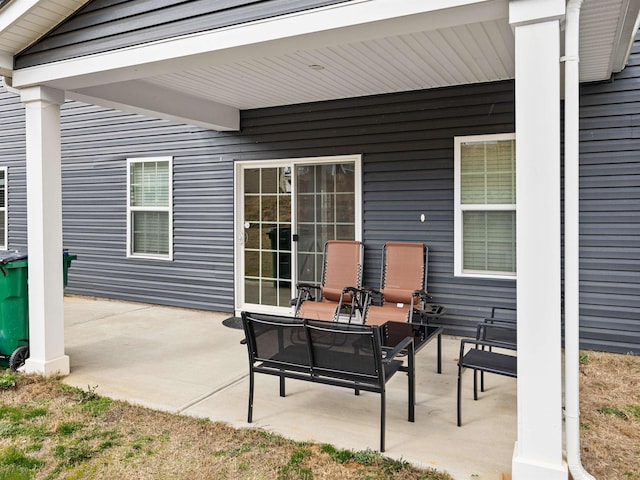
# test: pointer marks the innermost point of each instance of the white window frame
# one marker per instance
(168, 209)
(5, 209)
(459, 208)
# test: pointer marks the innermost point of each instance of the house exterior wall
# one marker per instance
(96, 144)
(103, 25)
(407, 145)
(406, 142)
(12, 156)
(610, 211)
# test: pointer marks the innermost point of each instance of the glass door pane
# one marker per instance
(325, 210)
(267, 236)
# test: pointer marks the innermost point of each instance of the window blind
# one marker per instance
(487, 200)
(149, 201)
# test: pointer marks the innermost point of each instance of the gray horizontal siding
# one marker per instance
(12, 156)
(407, 145)
(94, 210)
(610, 211)
(104, 25)
(406, 141)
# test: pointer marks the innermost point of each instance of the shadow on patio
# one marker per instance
(186, 361)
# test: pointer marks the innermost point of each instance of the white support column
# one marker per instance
(538, 452)
(44, 231)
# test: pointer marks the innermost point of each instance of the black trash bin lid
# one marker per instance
(7, 256)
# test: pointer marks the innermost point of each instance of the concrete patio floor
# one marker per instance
(188, 362)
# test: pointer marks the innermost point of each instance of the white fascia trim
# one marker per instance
(626, 34)
(334, 23)
(155, 101)
(14, 11)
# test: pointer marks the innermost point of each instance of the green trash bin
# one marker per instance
(14, 305)
(67, 258)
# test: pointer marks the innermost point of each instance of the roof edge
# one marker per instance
(630, 15)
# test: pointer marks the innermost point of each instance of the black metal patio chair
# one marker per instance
(480, 355)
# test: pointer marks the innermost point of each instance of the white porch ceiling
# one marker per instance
(473, 53)
(391, 59)
(23, 22)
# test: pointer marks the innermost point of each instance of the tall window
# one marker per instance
(3, 208)
(149, 208)
(485, 206)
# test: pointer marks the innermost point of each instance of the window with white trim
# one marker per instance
(3, 208)
(485, 206)
(149, 208)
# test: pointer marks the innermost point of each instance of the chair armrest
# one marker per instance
(403, 345)
(360, 295)
(503, 321)
(433, 310)
(498, 334)
(355, 291)
(371, 289)
(505, 309)
(422, 293)
(371, 296)
(483, 343)
(304, 293)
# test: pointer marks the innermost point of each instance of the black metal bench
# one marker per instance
(331, 353)
(482, 357)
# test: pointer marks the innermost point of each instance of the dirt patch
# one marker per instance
(610, 415)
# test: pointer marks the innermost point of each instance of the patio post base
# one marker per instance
(523, 468)
(48, 368)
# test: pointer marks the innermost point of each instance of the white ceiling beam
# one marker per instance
(6, 64)
(333, 25)
(155, 101)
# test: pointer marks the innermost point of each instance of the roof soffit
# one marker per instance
(470, 42)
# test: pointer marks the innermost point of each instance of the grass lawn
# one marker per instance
(49, 430)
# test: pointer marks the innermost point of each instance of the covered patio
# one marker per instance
(319, 52)
(188, 362)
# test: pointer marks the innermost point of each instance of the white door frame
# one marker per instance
(238, 227)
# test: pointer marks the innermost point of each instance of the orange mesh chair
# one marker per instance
(341, 277)
(403, 283)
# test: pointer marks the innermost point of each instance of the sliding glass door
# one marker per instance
(285, 213)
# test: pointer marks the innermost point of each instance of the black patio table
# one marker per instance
(422, 333)
(394, 332)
